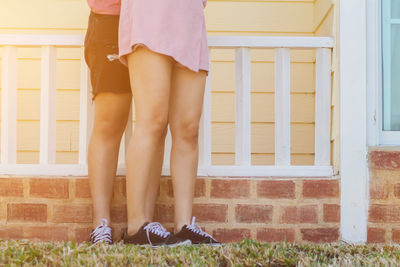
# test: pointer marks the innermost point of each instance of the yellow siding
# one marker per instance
(225, 17)
(323, 17)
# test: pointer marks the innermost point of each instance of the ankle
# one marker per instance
(134, 227)
(178, 227)
(97, 220)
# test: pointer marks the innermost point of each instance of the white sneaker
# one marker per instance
(102, 233)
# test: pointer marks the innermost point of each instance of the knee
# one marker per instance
(187, 131)
(155, 126)
(109, 129)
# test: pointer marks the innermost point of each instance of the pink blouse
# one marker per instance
(175, 28)
(106, 7)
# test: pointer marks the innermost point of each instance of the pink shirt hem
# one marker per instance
(105, 7)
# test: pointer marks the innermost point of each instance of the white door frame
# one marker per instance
(375, 134)
(374, 73)
(353, 120)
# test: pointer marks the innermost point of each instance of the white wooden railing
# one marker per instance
(243, 167)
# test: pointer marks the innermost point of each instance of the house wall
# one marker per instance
(260, 18)
(324, 17)
(384, 203)
(59, 208)
(384, 161)
(269, 209)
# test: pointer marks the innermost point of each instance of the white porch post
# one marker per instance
(353, 121)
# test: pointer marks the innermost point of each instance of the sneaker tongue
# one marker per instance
(144, 225)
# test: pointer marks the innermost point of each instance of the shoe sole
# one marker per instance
(101, 242)
(142, 245)
(183, 243)
(208, 244)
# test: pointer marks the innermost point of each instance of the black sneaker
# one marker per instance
(102, 233)
(196, 235)
(155, 235)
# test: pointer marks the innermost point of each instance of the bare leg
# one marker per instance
(154, 182)
(150, 79)
(111, 114)
(186, 103)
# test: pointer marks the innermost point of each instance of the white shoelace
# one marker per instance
(157, 229)
(101, 233)
(197, 229)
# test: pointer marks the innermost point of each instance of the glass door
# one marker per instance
(391, 64)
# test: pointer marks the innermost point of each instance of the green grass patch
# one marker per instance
(246, 253)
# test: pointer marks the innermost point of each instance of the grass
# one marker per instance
(246, 253)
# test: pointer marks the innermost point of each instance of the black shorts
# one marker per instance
(107, 73)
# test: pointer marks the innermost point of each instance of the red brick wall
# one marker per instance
(230, 209)
(384, 211)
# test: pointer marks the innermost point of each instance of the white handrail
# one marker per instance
(241, 44)
(32, 40)
(77, 40)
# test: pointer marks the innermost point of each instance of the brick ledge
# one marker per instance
(384, 158)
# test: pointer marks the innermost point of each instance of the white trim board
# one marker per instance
(353, 121)
(389, 138)
(228, 171)
(374, 71)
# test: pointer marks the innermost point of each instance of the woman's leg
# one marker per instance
(154, 182)
(150, 75)
(111, 115)
(186, 103)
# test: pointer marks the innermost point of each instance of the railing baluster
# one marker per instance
(48, 106)
(282, 107)
(123, 149)
(128, 132)
(243, 107)
(205, 127)
(122, 152)
(86, 112)
(167, 153)
(9, 106)
(323, 107)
